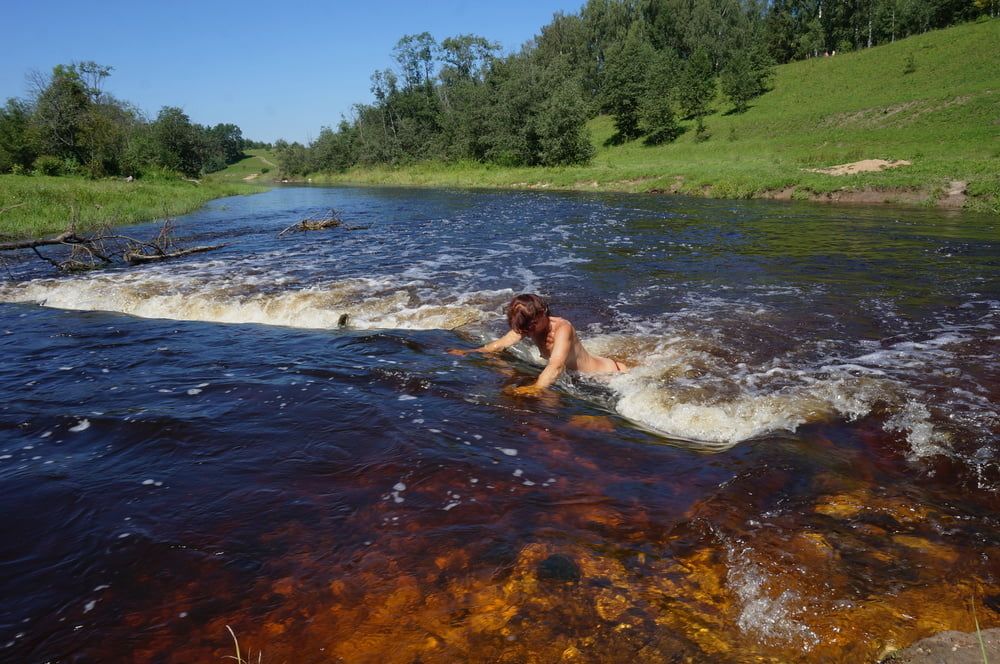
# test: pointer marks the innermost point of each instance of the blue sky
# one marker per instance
(276, 69)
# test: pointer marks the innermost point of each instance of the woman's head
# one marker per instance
(527, 314)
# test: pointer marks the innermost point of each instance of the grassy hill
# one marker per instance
(933, 100)
(261, 165)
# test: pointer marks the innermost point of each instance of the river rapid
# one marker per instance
(801, 467)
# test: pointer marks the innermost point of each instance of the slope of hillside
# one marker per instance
(257, 165)
(932, 100)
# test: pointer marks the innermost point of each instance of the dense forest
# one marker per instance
(70, 125)
(647, 63)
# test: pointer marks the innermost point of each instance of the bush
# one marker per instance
(49, 165)
(701, 133)
(266, 169)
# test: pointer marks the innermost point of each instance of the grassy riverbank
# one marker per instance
(38, 205)
(931, 100)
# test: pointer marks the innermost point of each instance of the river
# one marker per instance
(801, 467)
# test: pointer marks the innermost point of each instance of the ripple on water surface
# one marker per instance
(801, 466)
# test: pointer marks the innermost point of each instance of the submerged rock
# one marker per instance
(558, 567)
(951, 647)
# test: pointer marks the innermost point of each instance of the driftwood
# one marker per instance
(88, 252)
(332, 220)
(69, 237)
(138, 257)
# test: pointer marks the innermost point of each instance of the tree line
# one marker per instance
(70, 125)
(648, 63)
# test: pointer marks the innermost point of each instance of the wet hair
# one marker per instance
(524, 310)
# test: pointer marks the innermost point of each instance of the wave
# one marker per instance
(684, 386)
(361, 303)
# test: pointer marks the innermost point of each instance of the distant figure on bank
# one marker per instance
(528, 316)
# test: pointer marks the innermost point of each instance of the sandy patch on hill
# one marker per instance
(863, 166)
(252, 176)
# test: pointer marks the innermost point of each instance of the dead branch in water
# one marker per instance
(134, 258)
(331, 220)
(89, 252)
(68, 237)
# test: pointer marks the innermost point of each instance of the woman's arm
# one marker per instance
(506, 341)
(561, 344)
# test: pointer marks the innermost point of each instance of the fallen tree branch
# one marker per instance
(96, 250)
(69, 237)
(332, 220)
(133, 258)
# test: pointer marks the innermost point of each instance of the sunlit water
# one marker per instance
(803, 466)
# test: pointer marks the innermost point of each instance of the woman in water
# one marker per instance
(528, 316)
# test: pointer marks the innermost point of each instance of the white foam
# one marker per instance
(364, 303)
(772, 618)
(83, 425)
(688, 388)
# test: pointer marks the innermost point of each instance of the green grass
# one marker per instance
(251, 168)
(38, 205)
(943, 118)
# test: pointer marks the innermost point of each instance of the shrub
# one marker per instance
(701, 134)
(49, 165)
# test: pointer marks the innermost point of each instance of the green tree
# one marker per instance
(105, 134)
(334, 151)
(606, 24)
(61, 105)
(415, 56)
(746, 77)
(466, 58)
(177, 143)
(293, 158)
(17, 149)
(697, 85)
(561, 126)
(657, 112)
(623, 84)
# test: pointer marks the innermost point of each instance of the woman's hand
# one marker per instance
(525, 391)
(461, 351)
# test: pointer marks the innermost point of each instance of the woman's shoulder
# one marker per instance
(561, 324)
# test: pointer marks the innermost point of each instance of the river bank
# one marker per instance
(922, 109)
(38, 205)
(865, 188)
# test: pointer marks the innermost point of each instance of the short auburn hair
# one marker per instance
(524, 310)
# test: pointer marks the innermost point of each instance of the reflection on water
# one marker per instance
(801, 468)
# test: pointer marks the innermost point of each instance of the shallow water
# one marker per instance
(802, 468)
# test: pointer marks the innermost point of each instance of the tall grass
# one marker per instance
(36, 205)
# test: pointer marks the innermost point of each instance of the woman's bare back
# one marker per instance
(578, 359)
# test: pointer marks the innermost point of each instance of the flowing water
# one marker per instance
(802, 466)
